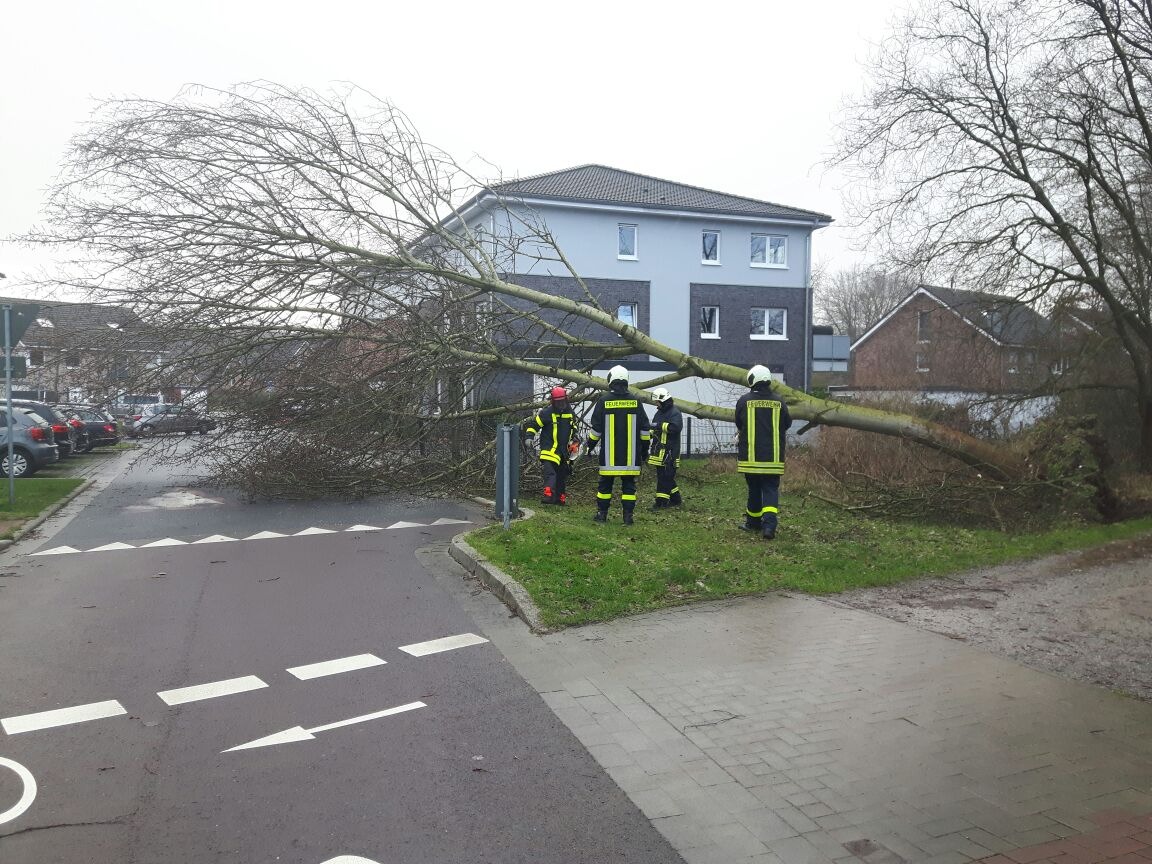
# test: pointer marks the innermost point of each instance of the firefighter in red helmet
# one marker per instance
(555, 427)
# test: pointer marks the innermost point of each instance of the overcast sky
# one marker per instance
(739, 97)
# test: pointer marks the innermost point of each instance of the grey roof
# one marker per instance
(72, 324)
(1006, 319)
(602, 184)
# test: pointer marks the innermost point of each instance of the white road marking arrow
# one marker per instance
(299, 733)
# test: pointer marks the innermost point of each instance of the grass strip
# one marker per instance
(33, 496)
(579, 571)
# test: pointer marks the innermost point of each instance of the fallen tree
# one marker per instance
(261, 230)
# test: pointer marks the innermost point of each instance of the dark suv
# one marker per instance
(67, 436)
(33, 443)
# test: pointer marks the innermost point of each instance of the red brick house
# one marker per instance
(944, 339)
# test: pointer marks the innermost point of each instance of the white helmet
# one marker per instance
(661, 394)
(617, 373)
(759, 374)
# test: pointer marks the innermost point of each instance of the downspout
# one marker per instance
(808, 312)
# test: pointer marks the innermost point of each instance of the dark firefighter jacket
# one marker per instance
(761, 420)
(666, 425)
(556, 429)
(620, 426)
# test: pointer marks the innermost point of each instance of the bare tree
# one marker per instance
(247, 220)
(853, 300)
(1009, 143)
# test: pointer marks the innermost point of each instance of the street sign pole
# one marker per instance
(8, 399)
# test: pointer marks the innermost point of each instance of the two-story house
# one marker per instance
(951, 346)
(721, 276)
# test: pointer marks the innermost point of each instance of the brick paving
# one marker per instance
(784, 729)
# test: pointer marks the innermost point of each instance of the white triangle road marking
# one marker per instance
(407, 525)
(266, 535)
(216, 538)
(58, 550)
(363, 528)
(308, 531)
(109, 547)
(443, 521)
(349, 859)
(167, 541)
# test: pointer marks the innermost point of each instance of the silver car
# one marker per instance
(33, 443)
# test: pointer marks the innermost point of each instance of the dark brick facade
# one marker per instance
(783, 357)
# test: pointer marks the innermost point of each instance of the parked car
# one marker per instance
(161, 418)
(99, 426)
(33, 443)
(67, 436)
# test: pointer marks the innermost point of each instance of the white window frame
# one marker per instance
(635, 314)
(923, 364)
(768, 238)
(783, 337)
(703, 260)
(715, 320)
(635, 256)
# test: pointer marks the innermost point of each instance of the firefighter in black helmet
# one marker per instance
(761, 421)
(620, 425)
(666, 425)
(557, 430)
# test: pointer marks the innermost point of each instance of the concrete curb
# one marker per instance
(50, 510)
(514, 595)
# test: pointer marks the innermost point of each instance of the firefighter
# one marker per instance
(666, 425)
(761, 421)
(557, 430)
(620, 428)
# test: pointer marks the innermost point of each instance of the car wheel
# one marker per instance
(21, 464)
(147, 430)
(189, 431)
(203, 430)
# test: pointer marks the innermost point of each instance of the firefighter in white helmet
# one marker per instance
(620, 427)
(762, 418)
(665, 457)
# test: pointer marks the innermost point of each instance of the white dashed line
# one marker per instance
(216, 538)
(210, 691)
(266, 535)
(62, 717)
(448, 643)
(335, 667)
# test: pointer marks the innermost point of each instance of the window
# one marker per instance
(769, 324)
(36, 357)
(626, 242)
(921, 361)
(72, 359)
(769, 250)
(710, 248)
(626, 313)
(923, 326)
(709, 322)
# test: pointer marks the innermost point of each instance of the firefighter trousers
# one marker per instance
(763, 500)
(666, 488)
(627, 492)
(555, 478)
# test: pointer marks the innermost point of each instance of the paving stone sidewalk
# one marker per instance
(785, 729)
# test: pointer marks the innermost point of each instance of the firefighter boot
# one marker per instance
(660, 504)
(675, 500)
(547, 497)
(628, 516)
(601, 515)
(751, 524)
(562, 500)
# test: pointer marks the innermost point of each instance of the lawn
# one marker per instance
(579, 571)
(33, 494)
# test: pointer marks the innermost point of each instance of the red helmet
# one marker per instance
(559, 394)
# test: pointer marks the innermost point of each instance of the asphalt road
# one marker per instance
(157, 661)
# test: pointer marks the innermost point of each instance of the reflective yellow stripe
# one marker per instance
(755, 514)
(771, 509)
(631, 440)
(604, 496)
(619, 472)
(550, 453)
(750, 425)
(624, 497)
(776, 432)
(663, 495)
